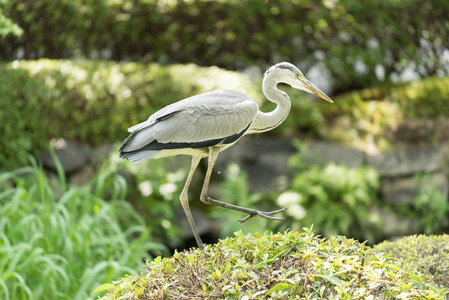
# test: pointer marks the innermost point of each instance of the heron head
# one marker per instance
(291, 75)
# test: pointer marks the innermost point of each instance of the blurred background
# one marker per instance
(75, 74)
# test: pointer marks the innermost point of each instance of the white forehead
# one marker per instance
(283, 66)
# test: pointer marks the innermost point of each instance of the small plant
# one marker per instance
(430, 207)
(155, 194)
(234, 190)
(287, 265)
(334, 199)
(60, 241)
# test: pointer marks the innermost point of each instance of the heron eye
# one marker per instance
(297, 75)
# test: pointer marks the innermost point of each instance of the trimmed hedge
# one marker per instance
(373, 116)
(429, 254)
(276, 266)
(361, 43)
(92, 101)
(95, 101)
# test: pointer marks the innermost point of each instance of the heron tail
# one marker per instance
(138, 155)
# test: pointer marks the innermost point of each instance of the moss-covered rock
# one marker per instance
(276, 266)
(428, 254)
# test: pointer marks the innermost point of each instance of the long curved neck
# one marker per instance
(267, 121)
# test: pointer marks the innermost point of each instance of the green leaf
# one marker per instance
(279, 287)
(103, 287)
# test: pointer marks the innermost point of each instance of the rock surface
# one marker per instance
(72, 155)
(404, 190)
(323, 153)
(408, 162)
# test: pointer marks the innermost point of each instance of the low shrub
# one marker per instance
(334, 199)
(428, 254)
(291, 265)
(366, 118)
(60, 241)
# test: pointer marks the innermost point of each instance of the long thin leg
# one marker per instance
(213, 154)
(185, 202)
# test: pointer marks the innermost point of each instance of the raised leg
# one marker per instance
(213, 154)
(185, 202)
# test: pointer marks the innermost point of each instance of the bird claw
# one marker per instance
(263, 214)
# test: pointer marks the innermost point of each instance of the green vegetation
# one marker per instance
(338, 35)
(92, 101)
(95, 102)
(280, 266)
(61, 241)
(428, 254)
(430, 207)
(370, 117)
(350, 197)
(346, 194)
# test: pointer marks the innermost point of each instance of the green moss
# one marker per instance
(279, 266)
(428, 254)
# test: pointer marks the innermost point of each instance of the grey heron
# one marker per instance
(206, 124)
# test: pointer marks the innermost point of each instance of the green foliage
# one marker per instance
(234, 190)
(279, 266)
(338, 35)
(92, 101)
(367, 117)
(7, 26)
(334, 199)
(430, 207)
(155, 189)
(60, 241)
(428, 254)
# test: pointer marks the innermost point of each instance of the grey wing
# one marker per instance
(192, 122)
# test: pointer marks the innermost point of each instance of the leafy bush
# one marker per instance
(154, 192)
(279, 266)
(234, 190)
(92, 101)
(334, 199)
(336, 35)
(430, 207)
(428, 254)
(367, 118)
(61, 241)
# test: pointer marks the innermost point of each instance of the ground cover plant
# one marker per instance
(290, 265)
(59, 241)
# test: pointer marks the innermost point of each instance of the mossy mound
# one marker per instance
(276, 266)
(429, 254)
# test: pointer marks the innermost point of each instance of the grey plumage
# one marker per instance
(206, 124)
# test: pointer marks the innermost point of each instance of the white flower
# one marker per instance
(288, 198)
(146, 189)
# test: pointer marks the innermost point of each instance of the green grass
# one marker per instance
(59, 241)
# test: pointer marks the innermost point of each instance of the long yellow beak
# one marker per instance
(314, 90)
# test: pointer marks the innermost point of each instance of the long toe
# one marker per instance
(266, 215)
(274, 212)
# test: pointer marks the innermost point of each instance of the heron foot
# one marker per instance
(263, 214)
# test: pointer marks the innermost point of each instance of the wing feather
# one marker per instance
(203, 117)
